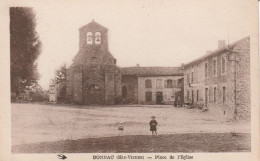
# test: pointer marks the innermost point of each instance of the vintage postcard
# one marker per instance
(129, 80)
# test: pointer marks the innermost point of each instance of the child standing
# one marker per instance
(153, 123)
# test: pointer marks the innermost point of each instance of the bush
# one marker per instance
(38, 97)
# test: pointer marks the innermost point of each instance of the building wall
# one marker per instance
(168, 93)
(130, 82)
(221, 80)
(205, 84)
(109, 88)
(118, 86)
(77, 90)
(93, 78)
(243, 94)
(53, 93)
(69, 84)
(180, 94)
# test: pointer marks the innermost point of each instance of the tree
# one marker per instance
(60, 79)
(60, 75)
(24, 48)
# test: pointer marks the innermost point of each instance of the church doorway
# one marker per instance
(93, 95)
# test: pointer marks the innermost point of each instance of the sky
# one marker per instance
(149, 33)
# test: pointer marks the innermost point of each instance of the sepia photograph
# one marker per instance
(124, 80)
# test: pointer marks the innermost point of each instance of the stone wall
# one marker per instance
(118, 86)
(243, 94)
(131, 84)
(77, 86)
(69, 85)
(93, 78)
(109, 88)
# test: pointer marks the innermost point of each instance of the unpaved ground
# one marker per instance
(32, 123)
(198, 142)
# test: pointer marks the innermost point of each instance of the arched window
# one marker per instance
(124, 92)
(89, 38)
(224, 95)
(148, 83)
(97, 38)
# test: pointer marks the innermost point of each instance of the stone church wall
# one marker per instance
(131, 84)
(93, 78)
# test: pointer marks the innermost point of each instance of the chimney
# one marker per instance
(221, 43)
(137, 65)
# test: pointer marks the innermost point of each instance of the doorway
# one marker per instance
(192, 97)
(159, 98)
(93, 95)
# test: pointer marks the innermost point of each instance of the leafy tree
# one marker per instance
(24, 48)
(60, 75)
(60, 79)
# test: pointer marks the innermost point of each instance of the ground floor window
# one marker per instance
(224, 95)
(206, 96)
(215, 95)
(148, 96)
(197, 95)
(188, 95)
(192, 96)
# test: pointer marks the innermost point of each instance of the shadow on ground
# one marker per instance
(196, 142)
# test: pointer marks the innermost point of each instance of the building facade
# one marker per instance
(93, 77)
(152, 85)
(220, 80)
(53, 93)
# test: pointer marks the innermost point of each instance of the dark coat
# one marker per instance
(153, 124)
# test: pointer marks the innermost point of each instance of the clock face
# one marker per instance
(89, 38)
(97, 38)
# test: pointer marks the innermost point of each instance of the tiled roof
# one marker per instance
(221, 50)
(152, 71)
(94, 25)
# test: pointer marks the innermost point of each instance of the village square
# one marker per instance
(200, 106)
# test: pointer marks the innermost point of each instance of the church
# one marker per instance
(94, 77)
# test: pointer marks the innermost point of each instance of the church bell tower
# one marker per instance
(97, 73)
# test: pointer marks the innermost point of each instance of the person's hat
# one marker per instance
(153, 117)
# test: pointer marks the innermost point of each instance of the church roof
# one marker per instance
(93, 25)
(152, 71)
